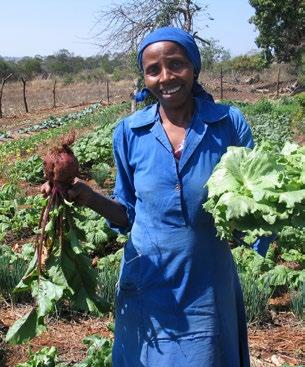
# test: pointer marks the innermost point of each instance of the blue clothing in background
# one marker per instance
(178, 300)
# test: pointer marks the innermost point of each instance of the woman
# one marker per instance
(179, 301)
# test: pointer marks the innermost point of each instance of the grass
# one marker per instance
(256, 298)
(10, 275)
(298, 302)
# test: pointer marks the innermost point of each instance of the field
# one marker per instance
(274, 300)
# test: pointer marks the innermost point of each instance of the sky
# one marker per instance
(42, 27)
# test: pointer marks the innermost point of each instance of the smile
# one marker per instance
(171, 91)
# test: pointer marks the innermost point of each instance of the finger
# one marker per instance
(45, 189)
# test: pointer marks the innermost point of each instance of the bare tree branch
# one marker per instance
(124, 26)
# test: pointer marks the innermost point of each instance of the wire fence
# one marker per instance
(249, 86)
(46, 94)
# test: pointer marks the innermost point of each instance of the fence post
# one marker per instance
(24, 94)
(1, 92)
(107, 90)
(278, 82)
(54, 93)
(221, 84)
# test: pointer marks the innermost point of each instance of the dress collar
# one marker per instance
(208, 112)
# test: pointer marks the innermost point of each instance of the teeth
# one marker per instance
(171, 91)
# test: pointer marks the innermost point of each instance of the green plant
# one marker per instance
(298, 120)
(256, 298)
(98, 353)
(18, 214)
(273, 127)
(30, 170)
(109, 268)
(298, 301)
(96, 232)
(96, 147)
(46, 357)
(100, 172)
(64, 273)
(10, 275)
(257, 192)
(68, 80)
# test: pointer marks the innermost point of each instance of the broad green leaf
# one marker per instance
(46, 294)
(25, 328)
(82, 279)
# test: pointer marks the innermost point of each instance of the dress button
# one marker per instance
(178, 187)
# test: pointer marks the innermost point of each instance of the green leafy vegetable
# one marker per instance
(258, 192)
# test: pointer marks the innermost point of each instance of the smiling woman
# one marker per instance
(178, 299)
(168, 74)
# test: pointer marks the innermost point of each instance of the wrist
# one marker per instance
(90, 197)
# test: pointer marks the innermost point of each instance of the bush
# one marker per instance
(298, 120)
(68, 80)
(244, 63)
(118, 74)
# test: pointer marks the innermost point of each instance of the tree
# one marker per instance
(212, 53)
(27, 68)
(6, 68)
(125, 25)
(281, 26)
(59, 63)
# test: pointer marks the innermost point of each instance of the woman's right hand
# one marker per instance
(79, 192)
(45, 189)
(82, 194)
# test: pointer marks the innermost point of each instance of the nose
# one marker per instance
(165, 74)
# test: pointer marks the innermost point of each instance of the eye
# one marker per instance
(176, 64)
(152, 70)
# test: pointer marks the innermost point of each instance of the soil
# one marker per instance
(27, 119)
(283, 340)
(66, 334)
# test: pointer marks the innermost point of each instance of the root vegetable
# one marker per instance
(60, 165)
(60, 270)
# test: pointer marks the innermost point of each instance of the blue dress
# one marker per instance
(178, 299)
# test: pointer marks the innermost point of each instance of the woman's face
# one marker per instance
(168, 73)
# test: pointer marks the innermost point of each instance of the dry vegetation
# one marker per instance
(40, 97)
(236, 86)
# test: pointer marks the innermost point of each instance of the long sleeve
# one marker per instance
(124, 191)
